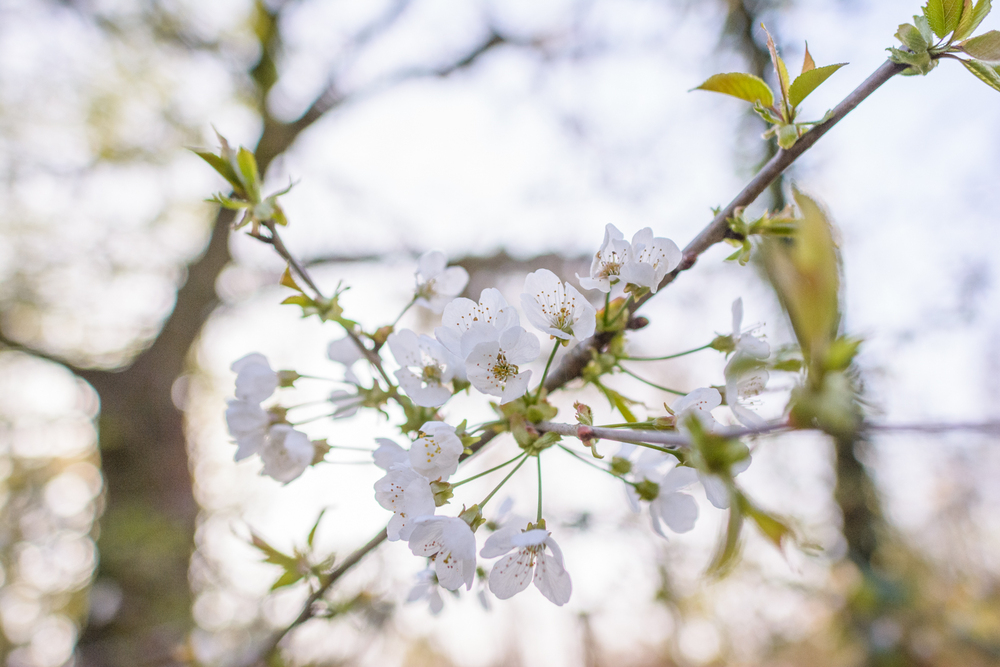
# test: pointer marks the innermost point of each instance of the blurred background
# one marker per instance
(506, 133)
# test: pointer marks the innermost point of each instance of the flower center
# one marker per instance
(431, 374)
(503, 370)
(426, 290)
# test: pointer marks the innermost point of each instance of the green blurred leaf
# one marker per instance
(773, 528)
(618, 401)
(728, 548)
(984, 47)
(987, 74)
(935, 13)
(911, 38)
(287, 578)
(312, 531)
(809, 81)
(222, 166)
(273, 555)
(971, 18)
(781, 71)
(842, 352)
(249, 175)
(744, 86)
(788, 135)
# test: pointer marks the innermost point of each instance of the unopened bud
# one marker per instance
(647, 490)
(287, 378)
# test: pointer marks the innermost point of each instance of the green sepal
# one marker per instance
(911, 38)
(740, 85)
(809, 81)
(985, 73)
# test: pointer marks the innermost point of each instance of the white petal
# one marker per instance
(519, 346)
(704, 399)
(753, 346)
(530, 538)
(515, 387)
(431, 263)
(678, 478)
(344, 351)
(737, 316)
(388, 453)
(405, 347)
(499, 542)
(510, 575)
(552, 579)
(716, 490)
(678, 510)
(255, 381)
(746, 417)
(287, 453)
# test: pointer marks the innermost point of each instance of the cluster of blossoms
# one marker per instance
(482, 345)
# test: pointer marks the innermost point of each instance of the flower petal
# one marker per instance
(552, 579)
(511, 575)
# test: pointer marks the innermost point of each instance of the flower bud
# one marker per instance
(647, 490)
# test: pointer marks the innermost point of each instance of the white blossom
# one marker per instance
(438, 284)
(678, 511)
(248, 424)
(435, 453)
(286, 453)
(426, 366)
(450, 544)
(537, 557)
(345, 351)
(408, 495)
(649, 260)
(255, 381)
(493, 364)
(463, 316)
(746, 343)
(426, 588)
(608, 261)
(388, 454)
(745, 374)
(556, 308)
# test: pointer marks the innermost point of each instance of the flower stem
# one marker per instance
(592, 464)
(607, 306)
(669, 356)
(523, 457)
(652, 384)
(403, 312)
(486, 472)
(538, 518)
(548, 365)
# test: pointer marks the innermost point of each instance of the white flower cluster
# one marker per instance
(286, 453)
(482, 344)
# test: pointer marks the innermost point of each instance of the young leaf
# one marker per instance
(989, 75)
(312, 532)
(727, 550)
(934, 11)
(273, 555)
(925, 28)
(807, 62)
(781, 70)
(984, 47)
(809, 81)
(911, 38)
(287, 578)
(223, 167)
(744, 86)
(249, 175)
(971, 18)
(952, 15)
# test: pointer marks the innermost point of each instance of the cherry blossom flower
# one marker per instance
(462, 316)
(492, 365)
(436, 284)
(512, 573)
(426, 366)
(286, 453)
(649, 260)
(426, 588)
(345, 403)
(745, 374)
(408, 495)
(746, 343)
(388, 453)
(608, 261)
(248, 424)
(255, 381)
(677, 511)
(435, 453)
(556, 308)
(450, 544)
(345, 351)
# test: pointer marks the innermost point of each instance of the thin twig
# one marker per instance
(648, 436)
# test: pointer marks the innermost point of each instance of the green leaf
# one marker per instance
(952, 15)
(287, 578)
(984, 47)
(728, 549)
(618, 401)
(934, 11)
(809, 81)
(744, 86)
(312, 532)
(971, 18)
(988, 75)
(273, 555)
(780, 70)
(223, 167)
(911, 38)
(925, 28)
(249, 175)
(772, 528)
